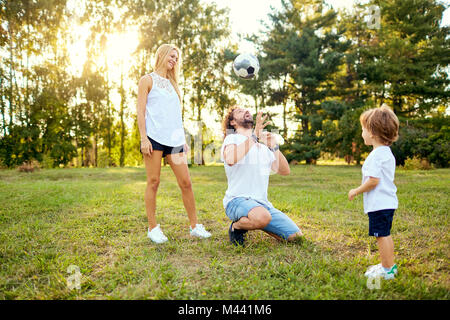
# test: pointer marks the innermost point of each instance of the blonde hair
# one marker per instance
(173, 74)
(382, 123)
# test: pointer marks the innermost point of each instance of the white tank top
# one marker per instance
(163, 121)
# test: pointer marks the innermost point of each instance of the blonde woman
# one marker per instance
(162, 135)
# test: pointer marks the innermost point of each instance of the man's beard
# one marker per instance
(246, 123)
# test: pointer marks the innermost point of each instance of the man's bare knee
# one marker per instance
(260, 216)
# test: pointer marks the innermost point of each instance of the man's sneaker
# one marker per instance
(199, 231)
(236, 235)
(156, 235)
(381, 272)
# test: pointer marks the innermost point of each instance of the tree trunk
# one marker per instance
(199, 157)
(82, 157)
(3, 107)
(397, 104)
(284, 121)
(11, 90)
(95, 152)
(122, 124)
(182, 107)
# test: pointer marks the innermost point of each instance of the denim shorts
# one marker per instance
(380, 222)
(280, 225)
(165, 149)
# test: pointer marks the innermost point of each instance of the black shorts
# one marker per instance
(165, 149)
(380, 222)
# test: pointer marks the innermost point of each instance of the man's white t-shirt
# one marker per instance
(380, 164)
(249, 177)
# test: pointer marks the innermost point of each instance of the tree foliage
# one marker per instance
(320, 69)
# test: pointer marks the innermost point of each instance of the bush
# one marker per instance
(29, 166)
(47, 162)
(102, 159)
(424, 139)
(417, 164)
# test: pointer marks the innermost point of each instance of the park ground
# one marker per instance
(95, 219)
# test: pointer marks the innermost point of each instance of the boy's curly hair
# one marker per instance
(382, 123)
(226, 126)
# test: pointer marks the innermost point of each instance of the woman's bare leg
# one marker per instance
(153, 169)
(178, 163)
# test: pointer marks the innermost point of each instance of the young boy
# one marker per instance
(380, 130)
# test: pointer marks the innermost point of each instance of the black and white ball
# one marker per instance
(246, 66)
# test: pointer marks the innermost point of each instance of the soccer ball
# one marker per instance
(246, 66)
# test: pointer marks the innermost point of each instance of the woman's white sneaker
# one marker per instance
(199, 231)
(156, 235)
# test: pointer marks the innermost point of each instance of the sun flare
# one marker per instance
(118, 52)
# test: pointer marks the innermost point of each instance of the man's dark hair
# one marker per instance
(226, 126)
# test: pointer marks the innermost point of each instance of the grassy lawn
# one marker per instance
(95, 219)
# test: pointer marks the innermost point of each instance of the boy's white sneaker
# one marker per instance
(379, 271)
(371, 269)
(156, 235)
(199, 231)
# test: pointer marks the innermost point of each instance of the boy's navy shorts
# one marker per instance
(380, 222)
(165, 149)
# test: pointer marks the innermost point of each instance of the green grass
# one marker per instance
(95, 219)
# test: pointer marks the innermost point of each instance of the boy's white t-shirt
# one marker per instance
(249, 177)
(380, 164)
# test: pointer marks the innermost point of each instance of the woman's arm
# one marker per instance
(144, 87)
(370, 184)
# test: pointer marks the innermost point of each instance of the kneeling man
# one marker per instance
(249, 157)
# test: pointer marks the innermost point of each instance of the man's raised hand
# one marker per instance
(260, 125)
